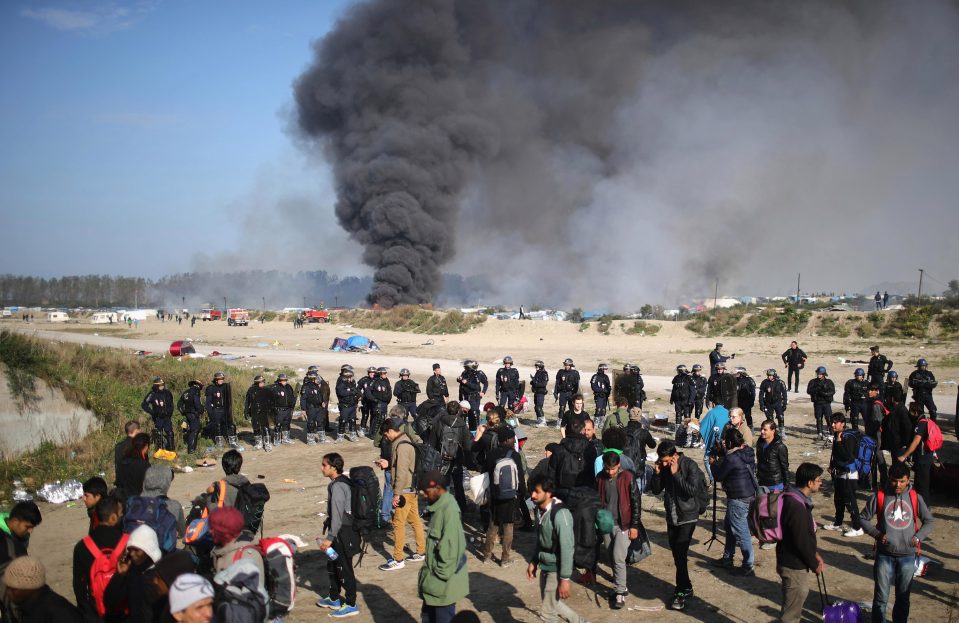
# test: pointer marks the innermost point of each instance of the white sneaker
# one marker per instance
(833, 527)
(392, 565)
(853, 533)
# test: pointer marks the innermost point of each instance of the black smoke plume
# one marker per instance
(616, 152)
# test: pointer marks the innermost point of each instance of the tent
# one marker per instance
(355, 344)
(182, 347)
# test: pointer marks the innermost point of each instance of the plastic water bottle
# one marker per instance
(331, 554)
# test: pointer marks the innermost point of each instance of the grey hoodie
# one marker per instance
(897, 520)
(156, 483)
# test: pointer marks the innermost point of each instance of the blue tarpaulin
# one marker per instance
(355, 343)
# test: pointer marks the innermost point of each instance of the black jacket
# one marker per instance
(313, 396)
(11, 542)
(745, 392)
(130, 476)
(897, 430)
(194, 403)
(797, 549)
(539, 382)
(736, 470)
(462, 432)
(716, 358)
(361, 385)
(217, 397)
(471, 385)
(135, 590)
(922, 382)
(684, 390)
(566, 381)
(498, 453)
(347, 393)
(772, 462)
(878, 366)
(103, 537)
(379, 390)
(682, 488)
(773, 392)
(261, 403)
(159, 403)
(406, 390)
(576, 444)
(436, 388)
(283, 396)
(893, 394)
(700, 385)
(854, 391)
(600, 384)
(45, 606)
(821, 391)
(844, 453)
(794, 358)
(507, 381)
(722, 390)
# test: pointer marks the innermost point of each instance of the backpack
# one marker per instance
(866, 450)
(364, 499)
(280, 570)
(505, 484)
(103, 569)
(239, 595)
(251, 500)
(934, 440)
(571, 465)
(181, 403)
(198, 529)
(765, 515)
(449, 442)
(153, 512)
(428, 459)
(636, 449)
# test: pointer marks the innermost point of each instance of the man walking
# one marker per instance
(405, 503)
(845, 476)
(553, 555)
(796, 553)
(795, 360)
(341, 542)
(619, 495)
(444, 578)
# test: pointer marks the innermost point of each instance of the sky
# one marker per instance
(148, 137)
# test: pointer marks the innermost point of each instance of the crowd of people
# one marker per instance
(148, 557)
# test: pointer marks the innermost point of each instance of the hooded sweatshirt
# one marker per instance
(736, 471)
(156, 483)
(897, 520)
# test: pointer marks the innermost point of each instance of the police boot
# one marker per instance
(286, 438)
(258, 442)
(321, 437)
(235, 443)
(218, 440)
(310, 439)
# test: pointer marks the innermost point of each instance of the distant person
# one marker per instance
(795, 360)
(700, 386)
(566, 386)
(507, 384)
(602, 388)
(879, 365)
(855, 397)
(922, 382)
(538, 383)
(192, 322)
(821, 391)
(683, 394)
(716, 357)
(436, 387)
(158, 404)
(774, 397)
(885, 299)
(878, 299)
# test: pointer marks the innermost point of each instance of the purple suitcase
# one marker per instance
(839, 612)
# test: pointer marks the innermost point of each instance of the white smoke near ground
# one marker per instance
(624, 153)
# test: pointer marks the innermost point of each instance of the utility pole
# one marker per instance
(224, 304)
(919, 296)
(716, 294)
(263, 298)
(798, 278)
(304, 302)
(182, 303)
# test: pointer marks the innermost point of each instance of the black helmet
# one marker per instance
(821, 370)
(771, 372)
(636, 368)
(740, 370)
(539, 364)
(282, 377)
(681, 367)
(218, 375)
(310, 376)
(312, 369)
(567, 362)
(382, 370)
(627, 367)
(371, 369)
(507, 359)
(892, 374)
(158, 381)
(858, 372)
(603, 366)
(346, 373)
(922, 363)
(697, 367)
(346, 366)
(721, 365)
(404, 372)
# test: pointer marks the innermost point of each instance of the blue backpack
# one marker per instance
(153, 512)
(866, 450)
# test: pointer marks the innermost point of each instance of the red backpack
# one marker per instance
(934, 440)
(103, 568)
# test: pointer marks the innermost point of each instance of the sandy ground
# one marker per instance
(504, 594)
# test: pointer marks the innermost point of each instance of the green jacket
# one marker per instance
(550, 555)
(3, 522)
(444, 579)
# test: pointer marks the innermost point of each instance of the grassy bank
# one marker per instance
(410, 318)
(109, 382)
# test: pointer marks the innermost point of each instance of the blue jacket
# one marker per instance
(717, 417)
(736, 471)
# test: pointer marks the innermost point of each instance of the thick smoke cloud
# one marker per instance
(615, 153)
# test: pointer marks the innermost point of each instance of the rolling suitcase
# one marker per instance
(839, 612)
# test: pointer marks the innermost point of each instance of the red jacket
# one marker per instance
(628, 500)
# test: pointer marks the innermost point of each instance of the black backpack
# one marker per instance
(251, 500)
(181, 403)
(449, 442)
(365, 499)
(636, 446)
(570, 466)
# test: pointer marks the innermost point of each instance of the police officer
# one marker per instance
(855, 397)
(507, 384)
(567, 386)
(640, 396)
(745, 394)
(219, 410)
(483, 381)
(625, 389)
(158, 403)
(794, 359)
(722, 387)
(602, 387)
(773, 397)
(380, 392)
(892, 392)
(284, 400)
(717, 357)
(405, 391)
(538, 382)
(683, 394)
(471, 390)
(315, 400)
(822, 391)
(192, 409)
(347, 395)
(259, 408)
(922, 382)
(436, 387)
(367, 406)
(879, 365)
(700, 385)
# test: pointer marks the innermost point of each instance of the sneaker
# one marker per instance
(619, 602)
(725, 563)
(345, 611)
(833, 527)
(506, 563)
(747, 572)
(679, 601)
(853, 533)
(768, 546)
(332, 604)
(415, 558)
(392, 565)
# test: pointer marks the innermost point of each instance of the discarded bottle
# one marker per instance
(331, 554)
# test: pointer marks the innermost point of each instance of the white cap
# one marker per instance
(144, 538)
(188, 589)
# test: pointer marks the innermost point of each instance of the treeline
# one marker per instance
(250, 289)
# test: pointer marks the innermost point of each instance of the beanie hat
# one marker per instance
(173, 565)
(226, 524)
(25, 573)
(188, 589)
(144, 538)
(505, 433)
(157, 480)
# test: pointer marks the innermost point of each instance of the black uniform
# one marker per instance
(366, 406)
(219, 409)
(159, 405)
(640, 396)
(507, 386)
(380, 392)
(746, 396)
(700, 385)
(773, 399)
(315, 400)
(893, 394)
(795, 360)
(716, 358)
(682, 396)
(436, 388)
(855, 399)
(602, 387)
(347, 395)
(922, 382)
(192, 409)
(821, 392)
(567, 386)
(539, 383)
(261, 409)
(722, 390)
(879, 365)
(471, 386)
(284, 400)
(405, 391)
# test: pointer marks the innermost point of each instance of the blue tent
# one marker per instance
(358, 341)
(355, 343)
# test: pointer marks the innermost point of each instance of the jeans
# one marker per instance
(407, 514)
(737, 530)
(386, 507)
(789, 378)
(554, 608)
(617, 545)
(844, 497)
(437, 614)
(679, 538)
(896, 571)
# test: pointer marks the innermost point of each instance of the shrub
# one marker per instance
(641, 327)
(411, 318)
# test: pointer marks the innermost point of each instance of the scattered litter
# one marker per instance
(71, 504)
(811, 453)
(646, 608)
(950, 382)
(231, 357)
(427, 343)
(165, 455)
(260, 476)
(301, 490)
(290, 481)
(262, 345)
(19, 493)
(58, 493)
(186, 469)
(205, 462)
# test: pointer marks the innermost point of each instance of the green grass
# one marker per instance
(951, 361)
(833, 326)
(716, 322)
(109, 382)
(641, 327)
(911, 322)
(410, 318)
(948, 322)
